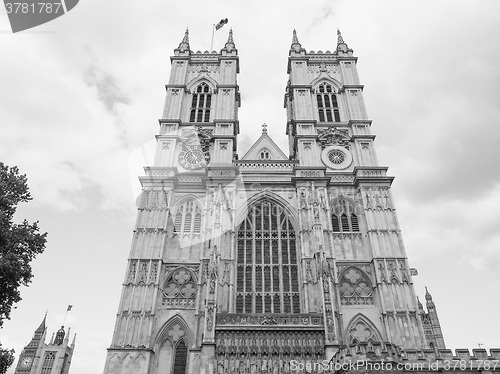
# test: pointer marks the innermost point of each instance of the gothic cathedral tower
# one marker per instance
(245, 265)
(41, 358)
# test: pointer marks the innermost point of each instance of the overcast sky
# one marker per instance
(80, 98)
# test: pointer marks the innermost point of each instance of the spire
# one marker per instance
(428, 299)
(427, 294)
(341, 45)
(340, 40)
(41, 328)
(184, 44)
(185, 40)
(73, 342)
(419, 304)
(39, 335)
(296, 47)
(66, 339)
(295, 40)
(230, 41)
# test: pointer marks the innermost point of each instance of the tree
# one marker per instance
(19, 245)
(6, 359)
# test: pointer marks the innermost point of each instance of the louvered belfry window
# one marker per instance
(188, 219)
(343, 218)
(267, 274)
(328, 108)
(200, 105)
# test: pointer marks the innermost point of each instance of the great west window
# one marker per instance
(267, 274)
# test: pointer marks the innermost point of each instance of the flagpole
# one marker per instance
(64, 322)
(212, 44)
(67, 310)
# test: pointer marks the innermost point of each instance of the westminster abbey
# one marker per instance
(269, 262)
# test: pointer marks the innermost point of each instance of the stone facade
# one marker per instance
(257, 264)
(41, 358)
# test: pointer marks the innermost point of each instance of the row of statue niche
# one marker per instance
(298, 349)
(257, 366)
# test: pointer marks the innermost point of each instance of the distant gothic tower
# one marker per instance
(41, 358)
(243, 265)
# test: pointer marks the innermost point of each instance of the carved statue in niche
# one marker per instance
(210, 317)
(334, 136)
(316, 212)
(303, 199)
(322, 199)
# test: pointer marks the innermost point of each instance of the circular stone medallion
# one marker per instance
(337, 158)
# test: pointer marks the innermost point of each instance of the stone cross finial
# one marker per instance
(264, 128)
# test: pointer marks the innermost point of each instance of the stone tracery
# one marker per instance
(180, 289)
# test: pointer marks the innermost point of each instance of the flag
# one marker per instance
(221, 23)
(69, 308)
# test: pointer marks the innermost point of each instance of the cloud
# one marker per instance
(107, 88)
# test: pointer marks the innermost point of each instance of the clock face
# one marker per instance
(26, 362)
(192, 157)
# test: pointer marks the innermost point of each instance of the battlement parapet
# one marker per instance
(386, 351)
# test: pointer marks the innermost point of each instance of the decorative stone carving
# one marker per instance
(355, 287)
(208, 68)
(361, 330)
(180, 289)
(270, 320)
(143, 272)
(210, 316)
(226, 273)
(176, 332)
(404, 271)
(132, 271)
(310, 278)
(393, 277)
(334, 136)
(310, 173)
(255, 352)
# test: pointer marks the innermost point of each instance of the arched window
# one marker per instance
(328, 108)
(343, 218)
(48, 362)
(200, 105)
(197, 223)
(184, 222)
(178, 222)
(264, 155)
(267, 274)
(180, 358)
